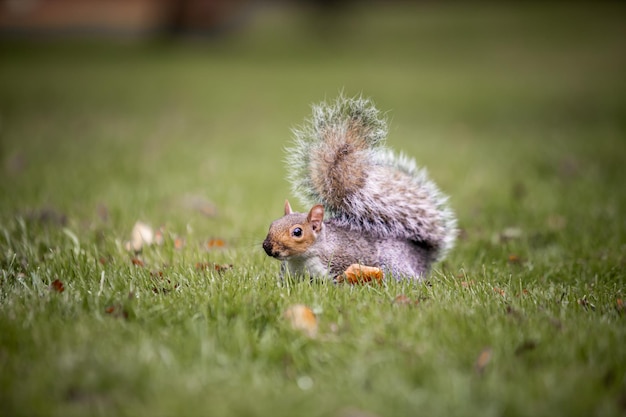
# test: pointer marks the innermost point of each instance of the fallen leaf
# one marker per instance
(57, 286)
(360, 274)
(467, 284)
(223, 267)
(203, 266)
(142, 235)
(499, 291)
(514, 259)
(215, 243)
(136, 261)
(483, 359)
(116, 310)
(302, 318)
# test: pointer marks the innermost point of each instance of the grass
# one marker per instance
(520, 120)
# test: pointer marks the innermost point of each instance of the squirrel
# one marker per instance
(370, 206)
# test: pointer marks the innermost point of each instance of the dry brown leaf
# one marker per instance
(57, 286)
(302, 318)
(116, 310)
(483, 359)
(203, 266)
(215, 243)
(223, 267)
(514, 259)
(360, 274)
(499, 291)
(136, 261)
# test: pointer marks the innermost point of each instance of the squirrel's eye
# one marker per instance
(297, 232)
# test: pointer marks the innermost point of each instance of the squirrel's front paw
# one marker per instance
(361, 274)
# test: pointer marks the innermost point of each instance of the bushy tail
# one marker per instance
(339, 159)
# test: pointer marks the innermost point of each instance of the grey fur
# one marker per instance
(336, 248)
(339, 159)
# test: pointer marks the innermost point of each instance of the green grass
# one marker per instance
(519, 113)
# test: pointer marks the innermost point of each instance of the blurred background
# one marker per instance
(116, 17)
(516, 108)
(140, 17)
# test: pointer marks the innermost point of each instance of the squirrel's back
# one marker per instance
(340, 160)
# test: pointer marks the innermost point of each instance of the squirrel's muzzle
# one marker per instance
(267, 246)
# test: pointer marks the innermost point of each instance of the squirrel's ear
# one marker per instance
(288, 209)
(316, 217)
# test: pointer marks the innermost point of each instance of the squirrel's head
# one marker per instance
(294, 233)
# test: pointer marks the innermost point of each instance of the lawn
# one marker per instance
(519, 114)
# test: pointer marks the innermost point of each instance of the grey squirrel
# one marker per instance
(370, 206)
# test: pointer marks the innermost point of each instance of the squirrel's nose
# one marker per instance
(267, 245)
